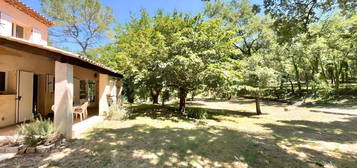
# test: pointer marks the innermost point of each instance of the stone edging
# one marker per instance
(26, 149)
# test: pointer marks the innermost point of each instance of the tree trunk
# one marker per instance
(297, 75)
(155, 92)
(193, 96)
(307, 81)
(292, 86)
(338, 74)
(257, 104)
(229, 96)
(182, 95)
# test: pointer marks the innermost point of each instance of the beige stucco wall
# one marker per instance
(13, 60)
(7, 110)
(24, 20)
(10, 62)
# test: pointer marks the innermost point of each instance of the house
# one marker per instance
(35, 76)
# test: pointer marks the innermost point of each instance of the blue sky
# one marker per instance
(123, 9)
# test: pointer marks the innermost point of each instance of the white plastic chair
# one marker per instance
(82, 111)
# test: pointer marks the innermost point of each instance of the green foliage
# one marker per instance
(197, 113)
(165, 95)
(294, 16)
(35, 133)
(231, 48)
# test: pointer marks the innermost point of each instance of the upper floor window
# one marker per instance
(5, 24)
(36, 36)
(19, 31)
(10, 27)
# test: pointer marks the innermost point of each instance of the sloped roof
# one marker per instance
(29, 11)
(56, 54)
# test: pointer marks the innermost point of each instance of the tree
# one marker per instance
(258, 75)
(223, 78)
(252, 31)
(84, 22)
(252, 37)
(293, 17)
(196, 46)
(338, 34)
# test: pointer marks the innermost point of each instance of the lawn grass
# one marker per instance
(232, 136)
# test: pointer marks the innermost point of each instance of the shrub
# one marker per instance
(117, 112)
(165, 96)
(325, 92)
(35, 133)
(197, 113)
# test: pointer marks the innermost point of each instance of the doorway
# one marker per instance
(24, 97)
(35, 99)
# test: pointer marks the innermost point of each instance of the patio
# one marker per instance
(78, 126)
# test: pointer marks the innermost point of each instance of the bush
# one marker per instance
(117, 112)
(197, 113)
(35, 133)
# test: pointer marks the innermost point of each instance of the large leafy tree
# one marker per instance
(196, 45)
(82, 22)
(137, 52)
(252, 37)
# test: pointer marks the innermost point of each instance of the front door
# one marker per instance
(24, 96)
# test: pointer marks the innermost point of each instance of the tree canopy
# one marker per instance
(82, 22)
(233, 49)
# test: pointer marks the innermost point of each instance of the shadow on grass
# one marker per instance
(352, 104)
(171, 112)
(145, 146)
(336, 132)
(142, 145)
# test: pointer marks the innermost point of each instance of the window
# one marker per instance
(36, 36)
(83, 89)
(19, 31)
(2, 81)
(87, 90)
(5, 24)
(91, 91)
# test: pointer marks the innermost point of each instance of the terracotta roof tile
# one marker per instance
(28, 10)
(59, 51)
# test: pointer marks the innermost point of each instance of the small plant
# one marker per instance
(117, 112)
(197, 113)
(35, 133)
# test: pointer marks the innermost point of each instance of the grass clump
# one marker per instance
(197, 113)
(118, 112)
(36, 133)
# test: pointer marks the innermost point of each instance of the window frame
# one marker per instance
(14, 30)
(23, 31)
(35, 30)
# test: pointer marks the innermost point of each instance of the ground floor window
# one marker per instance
(88, 90)
(92, 91)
